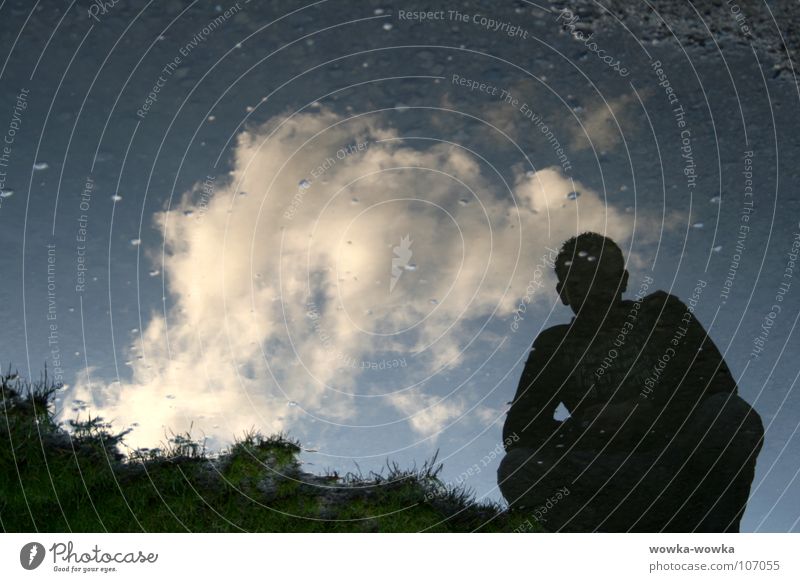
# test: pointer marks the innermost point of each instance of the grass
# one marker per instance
(54, 480)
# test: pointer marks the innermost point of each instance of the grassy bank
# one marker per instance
(54, 480)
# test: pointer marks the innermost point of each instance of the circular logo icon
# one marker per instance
(31, 555)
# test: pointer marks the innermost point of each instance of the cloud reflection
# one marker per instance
(279, 278)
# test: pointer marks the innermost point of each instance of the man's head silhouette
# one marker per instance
(591, 274)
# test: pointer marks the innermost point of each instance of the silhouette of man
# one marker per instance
(657, 438)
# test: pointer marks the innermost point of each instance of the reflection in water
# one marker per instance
(330, 202)
(657, 438)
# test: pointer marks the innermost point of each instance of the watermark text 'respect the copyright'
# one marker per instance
(490, 24)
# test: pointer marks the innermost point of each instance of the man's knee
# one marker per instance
(519, 470)
(726, 432)
(735, 417)
(511, 465)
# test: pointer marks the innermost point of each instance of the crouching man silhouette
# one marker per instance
(657, 438)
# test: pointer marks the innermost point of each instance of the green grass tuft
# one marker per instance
(56, 480)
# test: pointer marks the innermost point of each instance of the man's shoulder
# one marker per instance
(662, 300)
(551, 337)
(670, 312)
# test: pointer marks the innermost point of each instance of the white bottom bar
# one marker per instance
(389, 557)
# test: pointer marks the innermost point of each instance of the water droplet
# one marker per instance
(401, 108)
(304, 184)
(434, 301)
(378, 11)
(292, 403)
(354, 200)
(573, 195)
(463, 201)
(530, 174)
(567, 263)
(242, 193)
(591, 258)
(116, 197)
(154, 273)
(6, 193)
(715, 200)
(698, 225)
(582, 253)
(212, 117)
(249, 108)
(187, 212)
(388, 26)
(623, 188)
(717, 248)
(136, 242)
(411, 267)
(39, 166)
(170, 397)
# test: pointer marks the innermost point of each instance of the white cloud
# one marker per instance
(272, 293)
(605, 123)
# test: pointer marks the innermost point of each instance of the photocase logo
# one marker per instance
(31, 555)
(400, 262)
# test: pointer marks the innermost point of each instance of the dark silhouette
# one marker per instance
(657, 438)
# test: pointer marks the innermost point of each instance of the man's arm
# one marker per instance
(530, 419)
